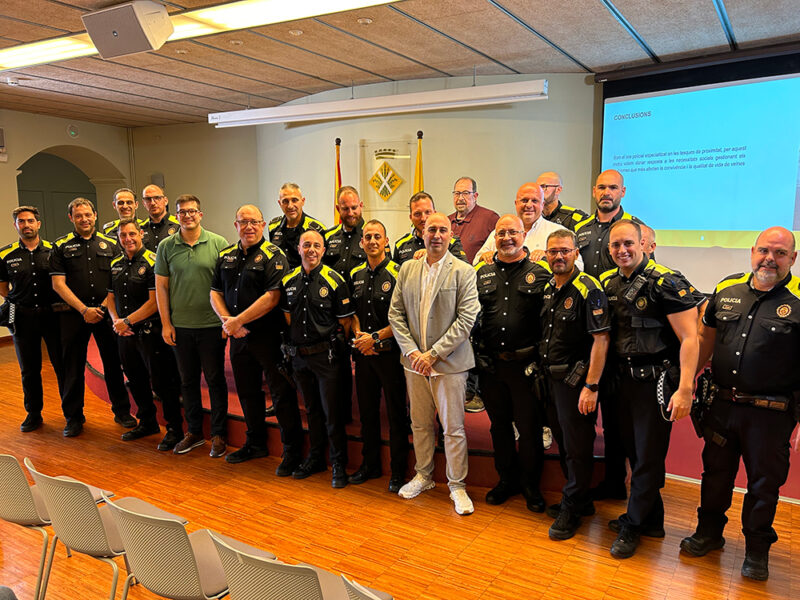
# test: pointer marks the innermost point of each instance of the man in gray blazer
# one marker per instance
(433, 309)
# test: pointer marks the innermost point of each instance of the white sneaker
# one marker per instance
(415, 487)
(547, 437)
(462, 502)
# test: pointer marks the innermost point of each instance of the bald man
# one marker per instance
(752, 329)
(159, 224)
(553, 210)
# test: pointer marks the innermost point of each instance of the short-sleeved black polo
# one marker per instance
(371, 290)
(131, 281)
(86, 264)
(28, 272)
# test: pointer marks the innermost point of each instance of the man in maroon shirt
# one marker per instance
(472, 223)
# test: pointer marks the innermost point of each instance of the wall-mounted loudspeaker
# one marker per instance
(128, 28)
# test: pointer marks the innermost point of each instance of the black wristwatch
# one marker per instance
(376, 336)
(592, 387)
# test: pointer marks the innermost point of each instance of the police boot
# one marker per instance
(756, 565)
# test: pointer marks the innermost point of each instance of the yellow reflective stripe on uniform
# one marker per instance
(589, 281)
(273, 224)
(116, 260)
(150, 257)
(227, 250)
(63, 240)
(584, 222)
(625, 216)
(606, 275)
(293, 273)
(9, 250)
(576, 216)
(357, 268)
(330, 275)
(270, 249)
(733, 281)
(107, 238)
(479, 265)
(110, 225)
(393, 268)
(580, 286)
(660, 269)
(309, 220)
(544, 264)
(403, 240)
(794, 286)
(46, 244)
(333, 231)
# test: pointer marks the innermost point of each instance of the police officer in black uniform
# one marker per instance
(552, 208)
(752, 327)
(144, 355)
(592, 232)
(377, 359)
(576, 324)
(245, 292)
(80, 269)
(508, 331)
(654, 329)
(285, 231)
(25, 267)
(125, 204)
(159, 224)
(420, 207)
(316, 301)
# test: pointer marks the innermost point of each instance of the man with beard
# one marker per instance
(654, 331)
(159, 224)
(471, 222)
(752, 328)
(553, 210)
(508, 330)
(411, 245)
(125, 204)
(25, 284)
(576, 325)
(285, 231)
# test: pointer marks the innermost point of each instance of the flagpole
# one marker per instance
(418, 183)
(337, 182)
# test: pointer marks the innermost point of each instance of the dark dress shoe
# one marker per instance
(31, 423)
(647, 531)
(338, 476)
(246, 453)
(140, 431)
(502, 492)
(363, 474)
(74, 428)
(288, 466)
(756, 566)
(126, 421)
(587, 510)
(565, 525)
(700, 545)
(534, 500)
(170, 440)
(626, 543)
(270, 412)
(395, 483)
(308, 467)
(607, 491)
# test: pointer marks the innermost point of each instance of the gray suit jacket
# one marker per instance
(453, 312)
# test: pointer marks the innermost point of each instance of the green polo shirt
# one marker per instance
(190, 269)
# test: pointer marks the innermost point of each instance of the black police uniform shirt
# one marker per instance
(409, 244)
(132, 279)
(511, 301)
(639, 326)
(28, 272)
(371, 291)
(757, 344)
(112, 227)
(570, 315)
(568, 216)
(316, 301)
(243, 275)
(593, 242)
(155, 232)
(287, 238)
(86, 263)
(343, 251)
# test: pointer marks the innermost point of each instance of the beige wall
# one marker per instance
(219, 166)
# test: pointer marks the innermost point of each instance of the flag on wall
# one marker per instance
(337, 183)
(418, 183)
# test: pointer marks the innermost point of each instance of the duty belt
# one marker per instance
(313, 349)
(771, 402)
(521, 354)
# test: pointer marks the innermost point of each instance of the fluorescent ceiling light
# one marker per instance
(485, 95)
(244, 14)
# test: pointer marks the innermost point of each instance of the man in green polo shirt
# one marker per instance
(185, 263)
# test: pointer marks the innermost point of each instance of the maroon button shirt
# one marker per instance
(474, 228)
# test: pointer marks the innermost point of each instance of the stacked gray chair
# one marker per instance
(252, 577)
(356, 591)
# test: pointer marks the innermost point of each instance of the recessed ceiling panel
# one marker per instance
(764, 22)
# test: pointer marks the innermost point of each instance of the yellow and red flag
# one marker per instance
(418, 183)
(337, 182)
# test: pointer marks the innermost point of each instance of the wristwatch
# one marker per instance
(434, 353)
(592, 387)
(376, 336)
(127, 322)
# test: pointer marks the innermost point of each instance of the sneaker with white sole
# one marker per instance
(462, 502)
(547, 437)
(415, 487)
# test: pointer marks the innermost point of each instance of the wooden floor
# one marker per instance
(413, 549)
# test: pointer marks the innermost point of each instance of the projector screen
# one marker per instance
(708, 168)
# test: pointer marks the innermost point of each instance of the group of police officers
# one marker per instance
(552, 343)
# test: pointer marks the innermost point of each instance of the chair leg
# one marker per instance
(127, 586)
(128, 570)
(45, 540)
(114, 579)
(48, 567)
(69, 552)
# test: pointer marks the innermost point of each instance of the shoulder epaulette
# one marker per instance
(331, 276)
(403, 239)
(358, 268)
(607, 274)
(227, 250)
(291, 274)
(393, 268)
(174, 219)
(270, 249)
(64, 239)
(583, 223)
(150, 257)
(47, 244)
(585, 282)
(116, 260)
(576, 216)
(312, 223)
(732, 280)
(332, 231)
(274, 222)
(479, 265)
(794, 286)
(9, 249)
(544, 264)
(107, 238)
(110, 225)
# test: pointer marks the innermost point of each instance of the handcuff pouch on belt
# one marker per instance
(7, 315)
(706, 393)
(285, 367)
(538, 384)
